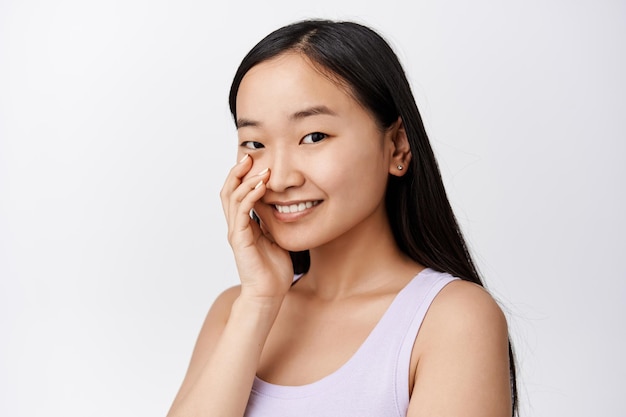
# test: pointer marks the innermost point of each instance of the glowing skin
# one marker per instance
(314, 166)
(328, 160)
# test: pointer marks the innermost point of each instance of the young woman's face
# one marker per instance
(328, 159)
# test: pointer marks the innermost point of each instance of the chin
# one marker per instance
(293, 242)
(292, 246)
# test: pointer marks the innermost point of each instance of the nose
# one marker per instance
(286, 172)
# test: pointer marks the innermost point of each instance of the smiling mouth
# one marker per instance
(296, 208)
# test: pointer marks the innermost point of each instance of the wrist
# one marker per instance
(256, 310)
(261, 298)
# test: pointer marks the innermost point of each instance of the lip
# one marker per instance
(282, 210)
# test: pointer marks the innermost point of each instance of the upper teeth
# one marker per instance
(294, 208)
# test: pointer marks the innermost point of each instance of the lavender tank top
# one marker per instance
(375, 380)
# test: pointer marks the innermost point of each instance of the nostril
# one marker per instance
(284, 176)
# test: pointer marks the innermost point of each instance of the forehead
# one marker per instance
(287, 82)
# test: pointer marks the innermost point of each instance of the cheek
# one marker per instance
(365, 173)
(359, 160)
(368, 160)
(339, 175)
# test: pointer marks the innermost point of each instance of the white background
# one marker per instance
(115, 138)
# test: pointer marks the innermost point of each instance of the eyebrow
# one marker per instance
(299, 115)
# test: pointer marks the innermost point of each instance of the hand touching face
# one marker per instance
(328, 158)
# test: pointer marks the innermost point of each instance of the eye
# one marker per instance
(314, 137)
(250, 144)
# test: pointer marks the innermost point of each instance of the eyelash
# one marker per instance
(250, 144)
(323, 136)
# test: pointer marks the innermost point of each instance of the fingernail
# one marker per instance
(263, 172)
(258, 184)
(244, 158)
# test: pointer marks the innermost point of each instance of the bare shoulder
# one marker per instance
(465, 307)
(463, 320)
(462, 348)
(219, 312)
(213, 325)
(223, 303)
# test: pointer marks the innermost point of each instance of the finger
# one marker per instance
(242, 200)
(234, 179)
(266, 232)
(246, 186)
(241, 227)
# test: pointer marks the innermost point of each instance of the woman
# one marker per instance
(386, 314)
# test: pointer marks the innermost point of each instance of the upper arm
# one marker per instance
(463, 362)
(210, 332)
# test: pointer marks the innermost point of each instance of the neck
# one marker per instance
(363, 261)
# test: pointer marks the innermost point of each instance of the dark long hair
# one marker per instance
(420, 215)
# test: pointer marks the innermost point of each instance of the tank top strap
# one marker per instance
(386, 353)
(418, 299)
(374, 381)
(406, 312)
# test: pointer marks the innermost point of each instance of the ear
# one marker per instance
(400, 149)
